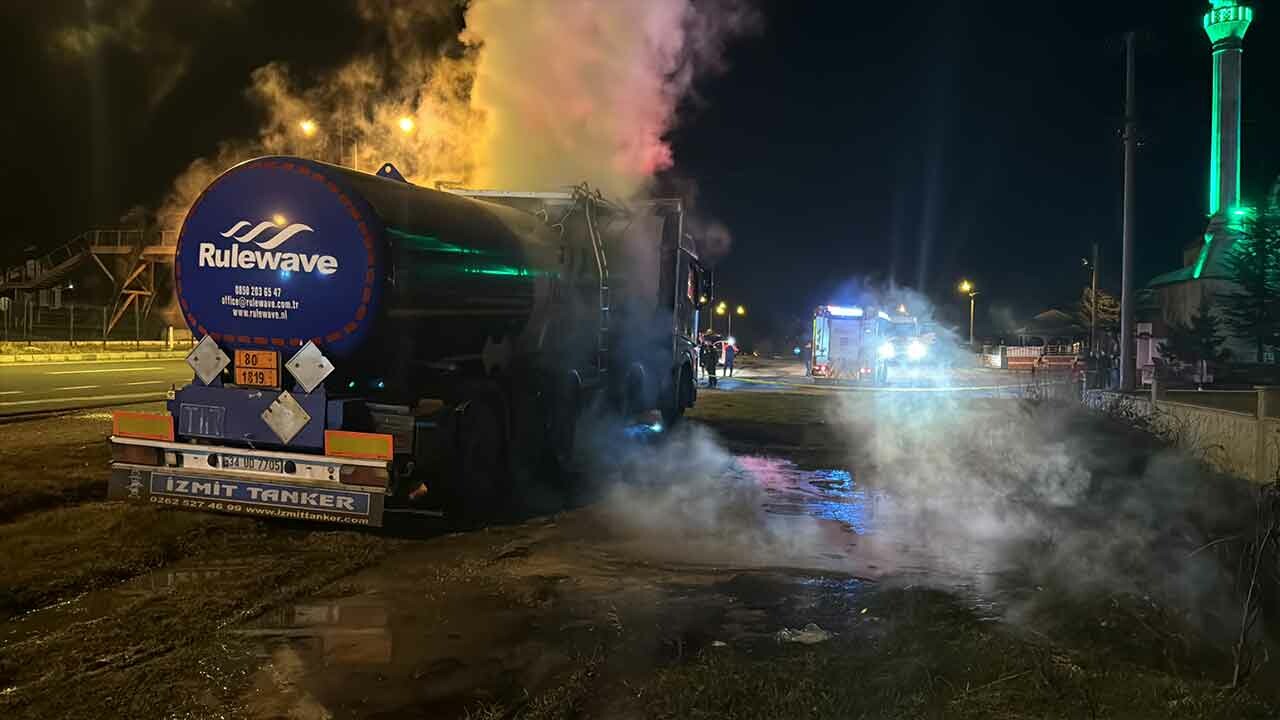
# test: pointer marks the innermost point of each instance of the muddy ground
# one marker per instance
(662, 596)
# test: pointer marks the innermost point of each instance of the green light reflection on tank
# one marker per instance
(503, 270)
(431, 243)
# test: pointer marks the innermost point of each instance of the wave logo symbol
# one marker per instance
(267, 236)
(270, 243)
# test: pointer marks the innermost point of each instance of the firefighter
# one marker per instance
(710, 356)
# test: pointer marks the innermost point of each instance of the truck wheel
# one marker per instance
(633, 392)
(479, 478)
(679, 397)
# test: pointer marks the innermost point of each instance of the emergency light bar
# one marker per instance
(841, 311)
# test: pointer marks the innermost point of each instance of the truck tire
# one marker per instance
(678, 397)
(633, 392)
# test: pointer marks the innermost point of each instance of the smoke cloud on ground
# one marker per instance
(688, 499)
(1005, 496)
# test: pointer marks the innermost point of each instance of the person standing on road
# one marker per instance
(730, 350)
(710, 356)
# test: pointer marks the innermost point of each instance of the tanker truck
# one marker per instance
(368, 346)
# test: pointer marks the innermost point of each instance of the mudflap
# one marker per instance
(178, 488)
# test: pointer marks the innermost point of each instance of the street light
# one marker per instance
(966, 288)
(723, 309)
(309, 129)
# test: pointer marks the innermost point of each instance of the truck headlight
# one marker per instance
(887, 351)
(916, 350)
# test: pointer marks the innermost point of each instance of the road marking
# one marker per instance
(11, 392)
(102, 370)
(43, 363)
(78, 387)
(80, 398)
(148, 382)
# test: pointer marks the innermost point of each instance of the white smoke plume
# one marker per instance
(576, 89)
(534, 94)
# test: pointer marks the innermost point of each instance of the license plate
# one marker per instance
(256, 464)
(259, 368)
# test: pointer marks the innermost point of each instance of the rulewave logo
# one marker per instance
(266, 257)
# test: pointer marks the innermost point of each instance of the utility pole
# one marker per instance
(1126, 264)
(1093, 306)
(971, 297)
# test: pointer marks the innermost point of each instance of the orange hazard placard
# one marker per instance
(259, 368)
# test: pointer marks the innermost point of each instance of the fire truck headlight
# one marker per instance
(916, 350)
(887, 351)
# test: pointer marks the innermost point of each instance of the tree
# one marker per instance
(1195, 343)
(1251, 310)
(1108, 312)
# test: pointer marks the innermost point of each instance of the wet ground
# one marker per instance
(663, 596)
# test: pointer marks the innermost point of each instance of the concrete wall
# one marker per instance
(1243, 444)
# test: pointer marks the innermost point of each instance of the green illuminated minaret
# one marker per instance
(1226, 23)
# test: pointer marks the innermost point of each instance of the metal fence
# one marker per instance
(78, 324)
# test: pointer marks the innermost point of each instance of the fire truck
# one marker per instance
(861, 344)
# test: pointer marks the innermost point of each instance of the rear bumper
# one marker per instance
(186, 480)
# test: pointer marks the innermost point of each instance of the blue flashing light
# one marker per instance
(882, 315)
(842, 311)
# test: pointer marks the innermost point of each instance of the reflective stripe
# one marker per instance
(151, 426)
(342, 443)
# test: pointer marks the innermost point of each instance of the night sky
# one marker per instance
(916, 142)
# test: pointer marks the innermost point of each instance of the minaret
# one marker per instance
(1226, 23)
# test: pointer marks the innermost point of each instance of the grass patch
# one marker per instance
(936, 659)
(124, 664)
(55, 461)
(49, 556)
(779, 408)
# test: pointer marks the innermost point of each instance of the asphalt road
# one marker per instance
(36, 387)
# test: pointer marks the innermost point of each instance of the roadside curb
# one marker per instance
(18, 359)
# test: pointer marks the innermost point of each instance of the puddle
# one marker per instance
(101, 604)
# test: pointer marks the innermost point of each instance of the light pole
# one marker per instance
(723, 309)
(966, 288)
(309, 129)
(1093, 300)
